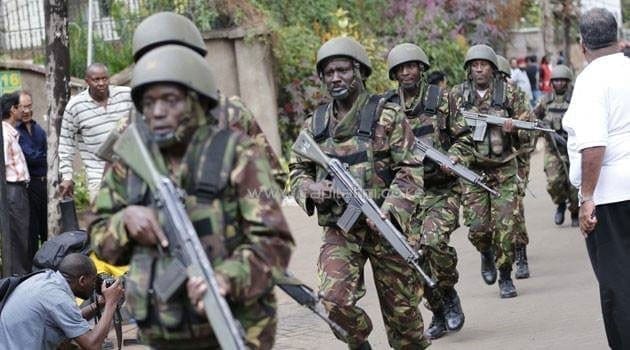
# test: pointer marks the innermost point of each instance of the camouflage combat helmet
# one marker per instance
(504, 65)
(174, 64)
(562, 72)
(481, 52)
(404, 53)
(344, 47)
(165, 28)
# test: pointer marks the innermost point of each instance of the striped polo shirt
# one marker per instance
(84, 127)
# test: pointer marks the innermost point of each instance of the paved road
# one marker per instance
(557, 308)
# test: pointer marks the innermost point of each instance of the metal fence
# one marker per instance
(22, 22)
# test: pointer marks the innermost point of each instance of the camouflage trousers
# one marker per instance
(341, 284)
(558, 182)
(491, 220)
(437, 218)
(520, 234)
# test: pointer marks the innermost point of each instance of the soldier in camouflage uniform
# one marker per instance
(491, 220)
(374, 140)
(231, 111)
(551, 109)
(437, 216)
(521, 238)
(245, 236)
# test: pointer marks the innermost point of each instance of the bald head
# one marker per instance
(96, 67)
(97, 79)
(75, 265)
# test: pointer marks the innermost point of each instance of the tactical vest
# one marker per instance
(555, 108)
(371, 168)
(495, 147)
(429, 127)
(212, 205)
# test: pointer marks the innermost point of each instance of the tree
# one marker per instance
(57, 95)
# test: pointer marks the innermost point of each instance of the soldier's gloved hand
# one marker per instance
(320, 191)
(196, 288)
(143, 227)
(114, 293)
(508, 126)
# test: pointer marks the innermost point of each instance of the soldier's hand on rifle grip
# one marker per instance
(508, 126)
(320, 191)
(143, 226)
(112, 294)
(66, 188)
(196, 287)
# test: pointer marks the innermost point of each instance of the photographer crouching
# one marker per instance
(41, 312)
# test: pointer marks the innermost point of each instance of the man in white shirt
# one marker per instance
(598, 126)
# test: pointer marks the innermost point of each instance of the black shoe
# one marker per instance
(488, 270)
(453, 313)
(559, 217)
(437, 328)
(575, 220)
(522, 268)
(506, 287)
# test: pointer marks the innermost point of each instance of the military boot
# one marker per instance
(522, 268)
(488, 270)
(437, 328)
(363, 346)
(506, 287)
(559, 217)
(575, 219)
(453, 310)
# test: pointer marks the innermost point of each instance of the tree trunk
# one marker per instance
(57, 95)
(5, 254)
(547, 26)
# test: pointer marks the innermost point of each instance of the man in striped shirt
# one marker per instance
(87, 120)
(17, 178)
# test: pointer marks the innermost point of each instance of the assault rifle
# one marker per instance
(480, 121)
(184, 245)
(358, 202)
(305, 296)
(443, 160)
(294, 288)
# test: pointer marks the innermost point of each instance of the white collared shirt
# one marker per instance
(599, 115)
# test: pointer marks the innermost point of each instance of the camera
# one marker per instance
(108, 279)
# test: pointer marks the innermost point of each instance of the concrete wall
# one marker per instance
(242, 63)
(33, 79)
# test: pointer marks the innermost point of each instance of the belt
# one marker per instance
(18, 183)
(38, 178)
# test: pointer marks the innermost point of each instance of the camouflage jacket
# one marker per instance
(240, 118)
(242, 229)
(436, 128)
(551, 109)
(383, 162)
(497, 148)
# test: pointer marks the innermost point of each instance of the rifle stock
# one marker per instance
(184, 244)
